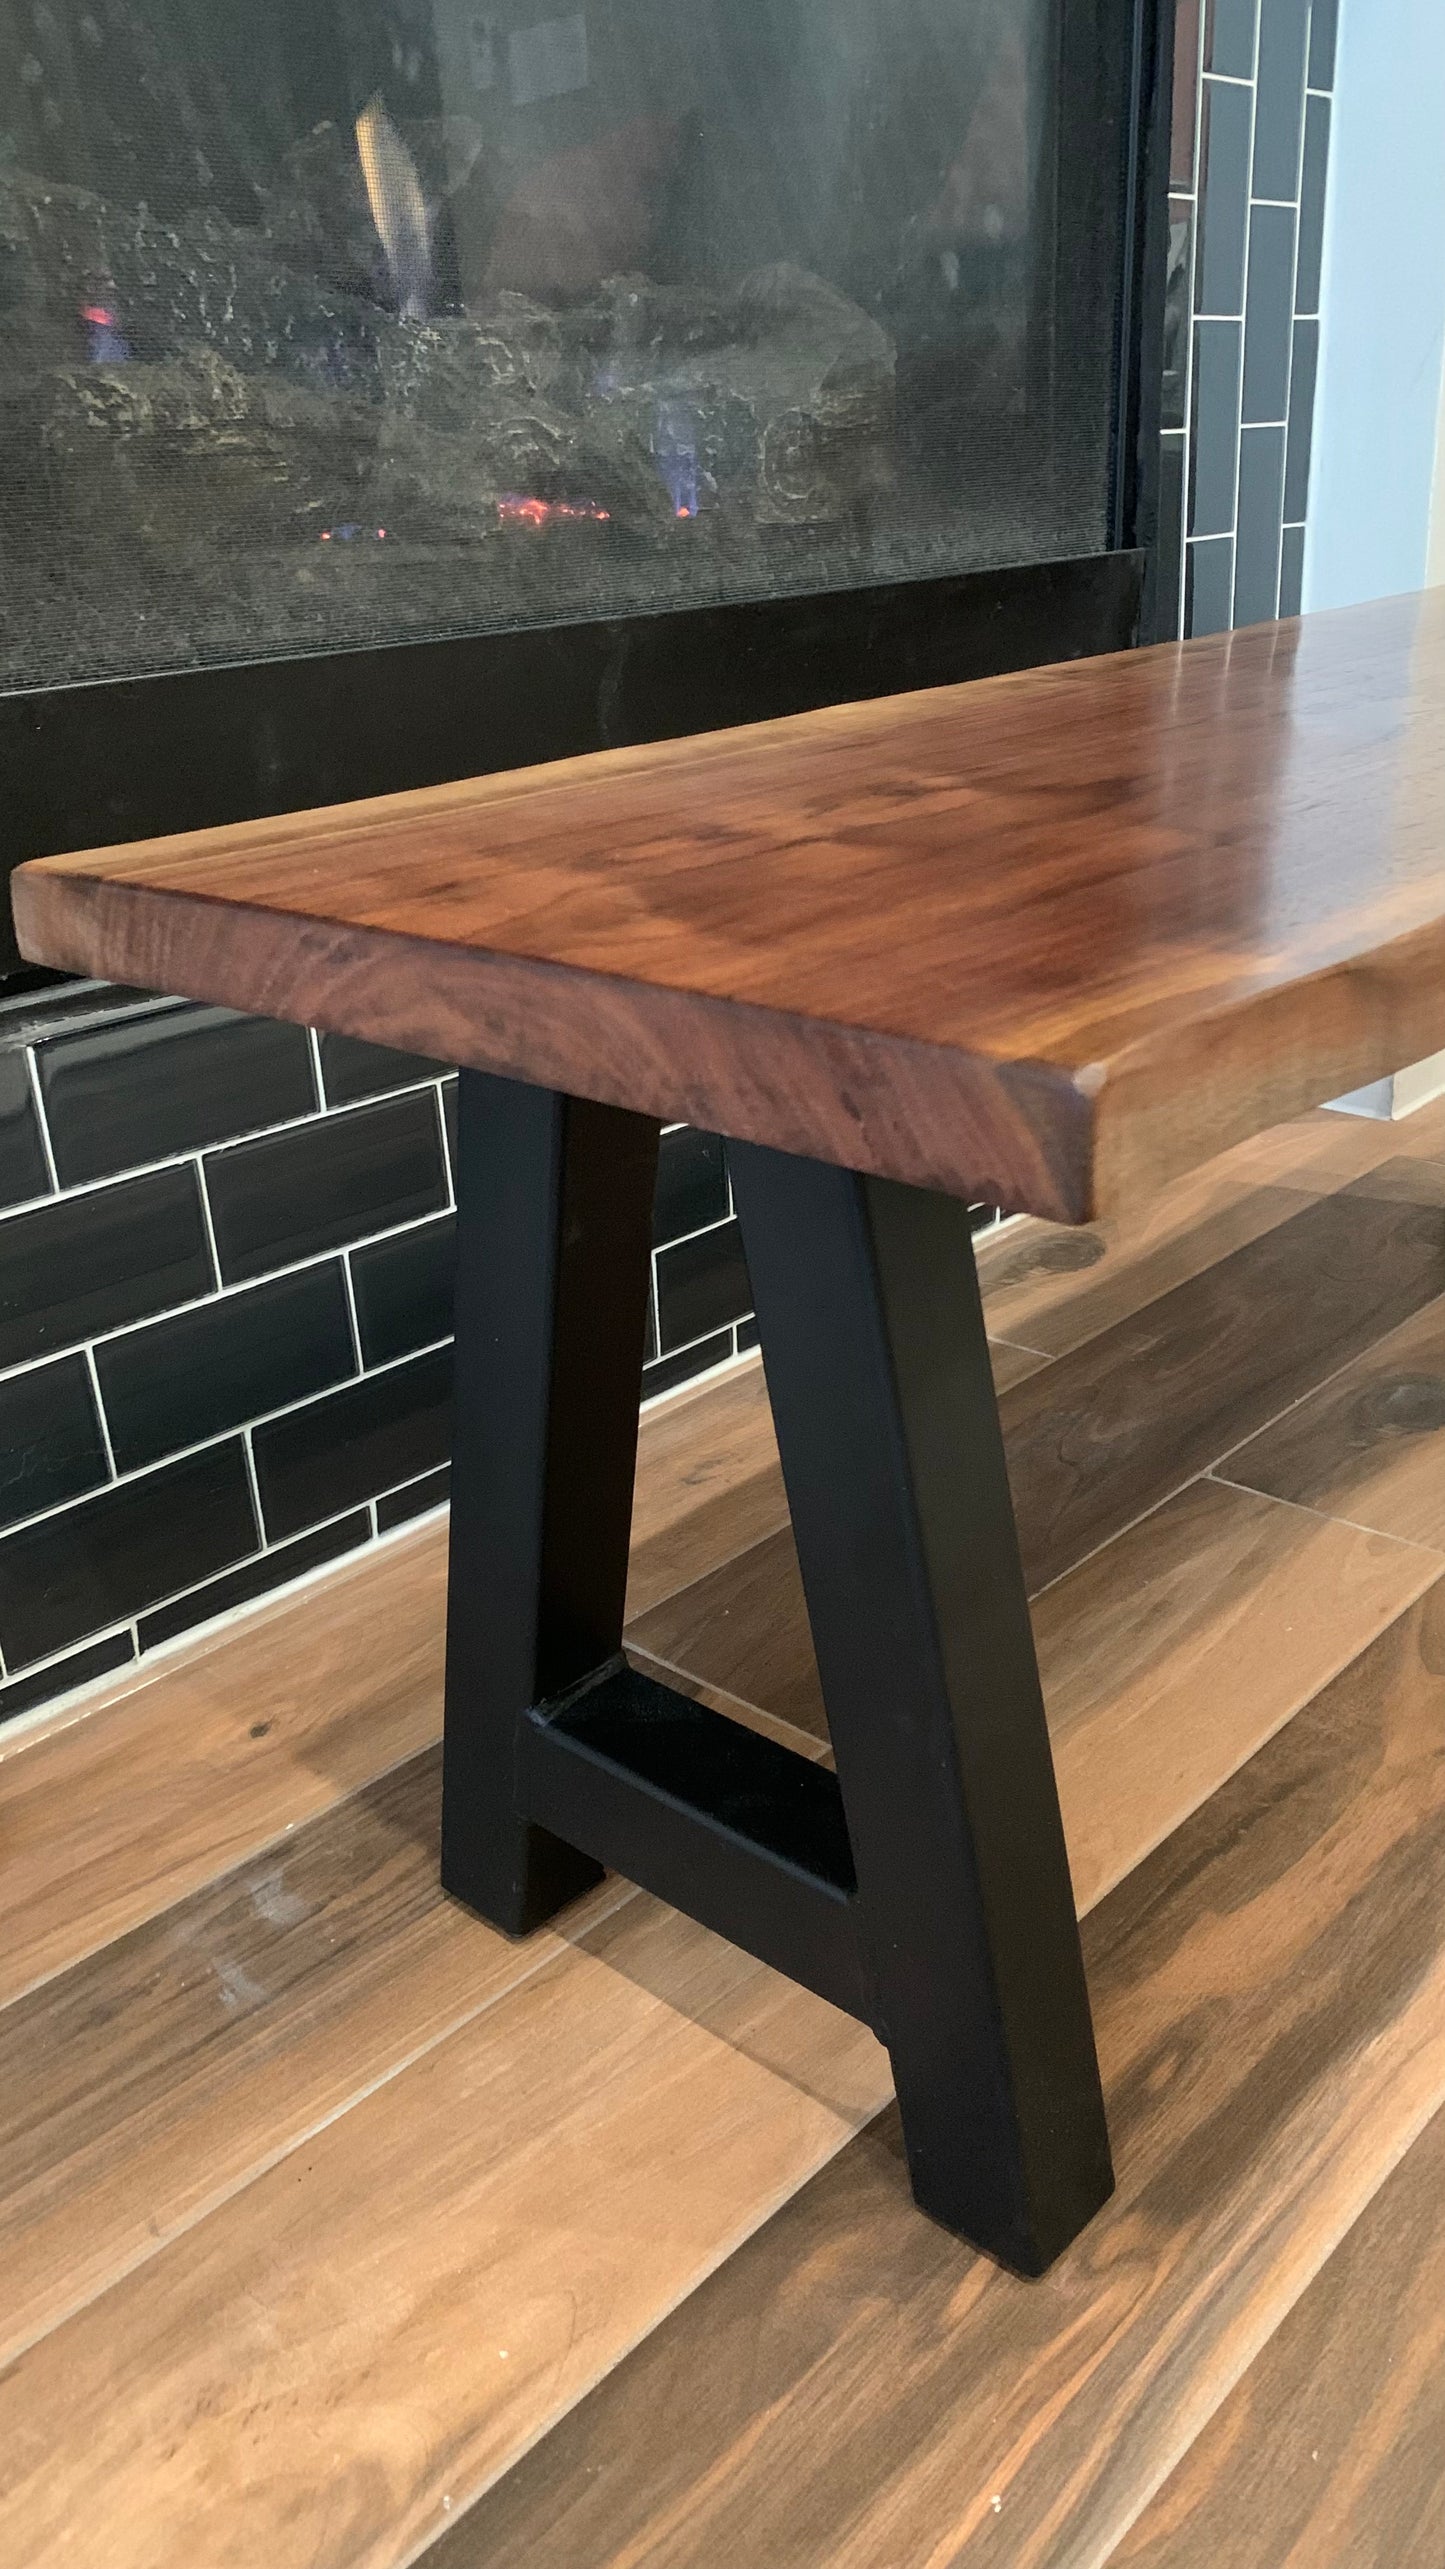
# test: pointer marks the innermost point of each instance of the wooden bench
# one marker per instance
(1047, 939)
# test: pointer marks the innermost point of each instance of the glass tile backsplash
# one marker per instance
(1234, 488)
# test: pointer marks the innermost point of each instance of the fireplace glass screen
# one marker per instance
(335, 322)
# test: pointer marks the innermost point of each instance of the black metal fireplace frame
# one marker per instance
(111, 760)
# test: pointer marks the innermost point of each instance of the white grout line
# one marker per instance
(228, 1435)
(220, 1294)
(257, 1510)
(318, 1080)
(42, 1119)
(1181, 602)
(348, 1287)
(720, 1224)
(57, 1658)
(100, 1414)
(211, 1150)
(1248, 233)
(212, 1252)
(446, 1149)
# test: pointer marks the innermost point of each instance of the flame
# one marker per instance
(398, 208)
(517, 510)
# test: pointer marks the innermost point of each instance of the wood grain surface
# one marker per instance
(1327, 2455)
(1205, 879)
(1370, 1443)
(314, 2374)
(1269, 1993)
(258, 1727)
(141, 2088)
(1108, 1431)
(1167, 1657)
(108, 1821)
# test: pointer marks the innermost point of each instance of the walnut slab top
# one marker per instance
(1047, 938)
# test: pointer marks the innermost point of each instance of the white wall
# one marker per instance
(1377, 415)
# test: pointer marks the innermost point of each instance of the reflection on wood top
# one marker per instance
(1048, 938)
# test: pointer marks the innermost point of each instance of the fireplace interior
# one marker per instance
(373, 321)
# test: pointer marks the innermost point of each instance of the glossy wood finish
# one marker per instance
(1269, 1994)
(1327, 2454)
(227, 2030)
(1049, 938)
(1370, 1443)
(1106, 1432)
(385, 2318)
(306, 1699)
(1168, 1657)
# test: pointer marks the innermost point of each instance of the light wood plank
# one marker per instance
(1167, 1658)
(1327, 2455)
(144, 2086)
(250, 1730)
(708, 1484)
(1171, 1656)
(1370, 1444)
(106, 1822)
(854, 2388)
(1049, 1286)
(397, 2309)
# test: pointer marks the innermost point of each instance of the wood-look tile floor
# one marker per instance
(336, 2232)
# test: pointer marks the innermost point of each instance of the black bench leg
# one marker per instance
(878, 1369)
(554, 1213)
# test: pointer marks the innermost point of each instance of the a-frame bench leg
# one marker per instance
(554, 1232)
(878, 1370)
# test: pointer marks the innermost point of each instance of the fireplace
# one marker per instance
(464, 386)
(396, 390)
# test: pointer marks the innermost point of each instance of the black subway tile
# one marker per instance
(1224, 203)
(51, 1447)
(702, 1285)
(190, 1377)
(404, 1290)
(292, 1195)
(351, 1069)
(108, 1557)
(1269, 313)
(80, 1668)
(1209, 585)
(1229, 33)
(692, 1183)
(1301, 418)
(1256, 543)
(1310, 262)
(1279, 96)
(1324, 28)
(255, 1579)
(151, 1087)
(747, 1335)
(670, 1371)
(1214, 447)
(449, 1118)
(82, 1264)
(375, 1434)
(432, 1491)
(1291, 569)
(23, 1172)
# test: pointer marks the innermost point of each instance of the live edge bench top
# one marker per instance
(1047, 938)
